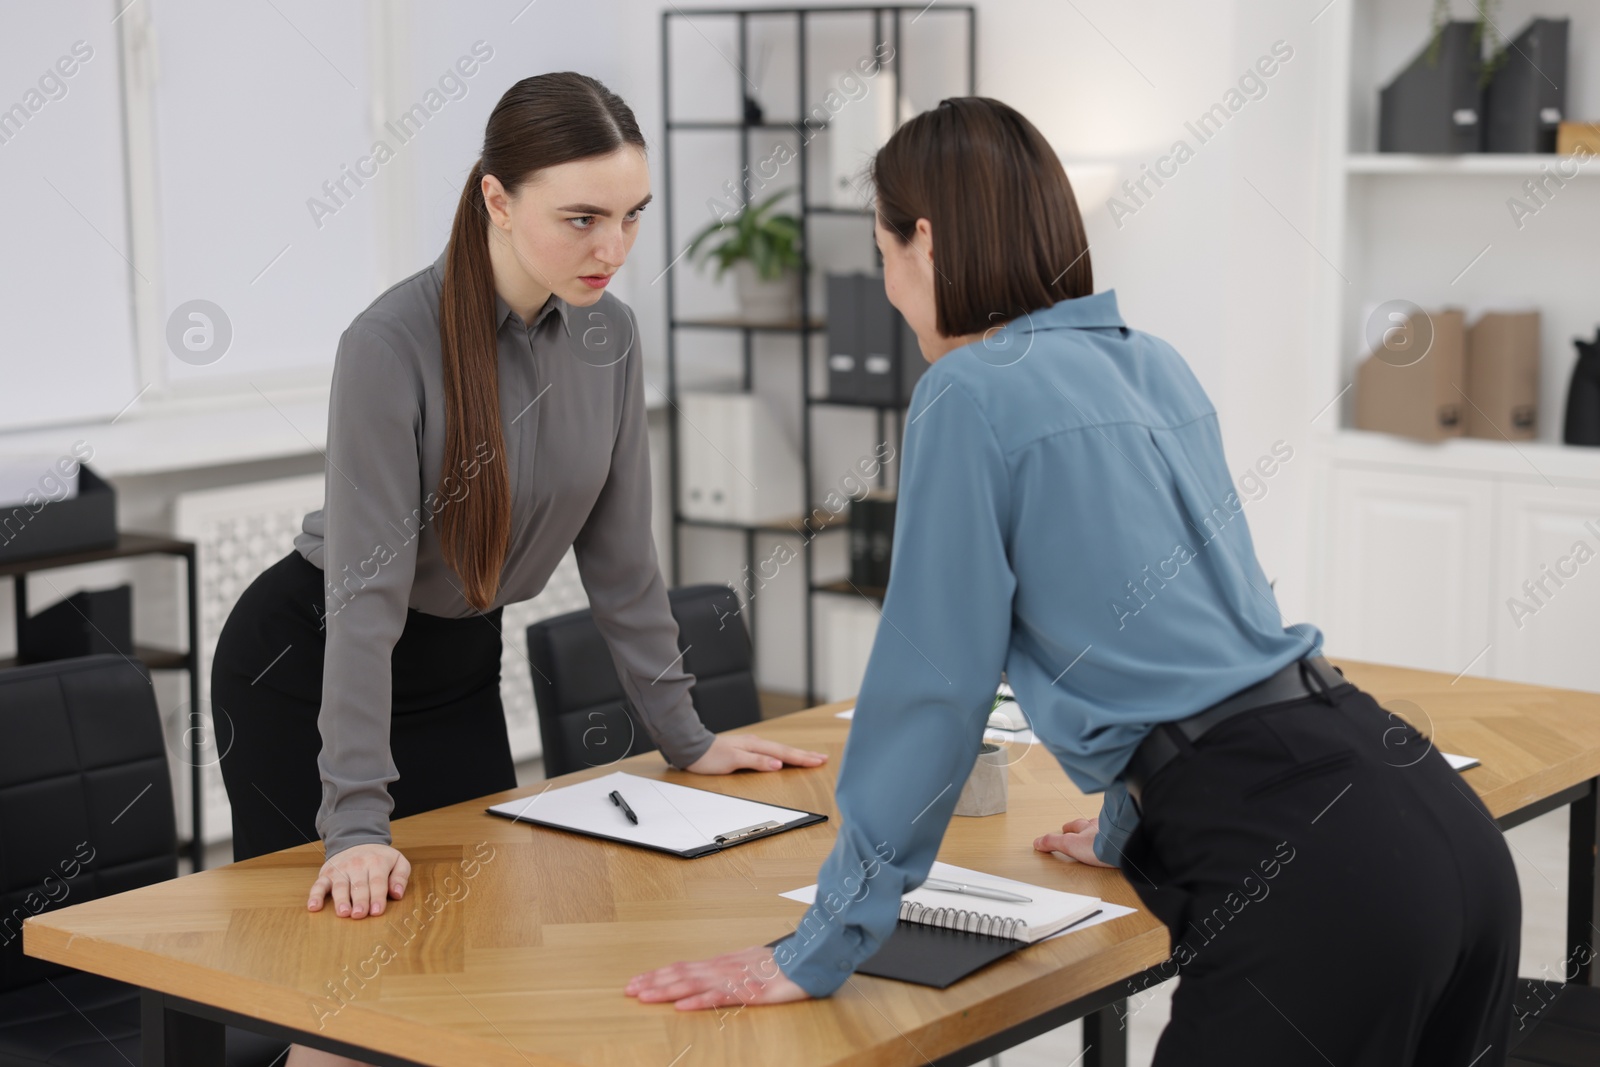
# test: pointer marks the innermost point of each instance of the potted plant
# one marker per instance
(762, 248)
(1484, 33)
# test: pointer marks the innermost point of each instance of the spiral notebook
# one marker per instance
(942, 937)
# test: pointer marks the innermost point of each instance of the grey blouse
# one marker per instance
(575, 442)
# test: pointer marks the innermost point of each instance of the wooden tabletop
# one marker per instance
(1533, 741)
(514, 942)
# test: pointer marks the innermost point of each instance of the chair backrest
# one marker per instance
(585, 718)
(85, 795)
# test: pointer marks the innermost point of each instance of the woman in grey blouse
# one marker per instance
(486, 414)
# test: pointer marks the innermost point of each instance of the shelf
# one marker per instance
(733, 322)
(845, 587)
(792, 525)
(128, 544)
(711, 125)
(884, 405)
(803, 327)
(157, 659)
(1482, 164)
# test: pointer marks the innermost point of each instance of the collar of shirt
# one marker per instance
(502, 310)
(1081, 312)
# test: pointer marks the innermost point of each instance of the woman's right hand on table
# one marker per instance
(361, 879)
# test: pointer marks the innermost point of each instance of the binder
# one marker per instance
(1436, 107)
(1527, 97)
(873, 354)
(676, 819)
(871, 538)
(844, 337)
(736, 465)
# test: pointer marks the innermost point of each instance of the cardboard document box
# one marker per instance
(1423, 400)
(1503, 376)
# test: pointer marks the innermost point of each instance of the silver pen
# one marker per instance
(976, 890)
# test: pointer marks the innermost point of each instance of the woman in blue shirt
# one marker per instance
(1066, 514)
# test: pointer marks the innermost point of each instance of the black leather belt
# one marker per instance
(1313, 676)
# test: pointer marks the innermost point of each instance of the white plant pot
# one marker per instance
(985, 790)
(766, 301)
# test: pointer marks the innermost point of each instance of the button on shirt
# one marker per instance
(575, 448)
(1065, 514)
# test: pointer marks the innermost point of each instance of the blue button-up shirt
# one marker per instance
(1065, 513)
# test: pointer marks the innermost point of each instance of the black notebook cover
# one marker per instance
(936, 956)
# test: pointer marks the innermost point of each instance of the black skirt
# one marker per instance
(447, 734)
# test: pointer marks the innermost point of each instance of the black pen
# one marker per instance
(616, 798)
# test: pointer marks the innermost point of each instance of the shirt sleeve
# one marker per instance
(373, 501)
(616, 554)
(929, 685)
(1118, 817)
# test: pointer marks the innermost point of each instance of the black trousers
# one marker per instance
(1335, 894)
(447, 733)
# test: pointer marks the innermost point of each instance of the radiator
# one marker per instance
(242, 530)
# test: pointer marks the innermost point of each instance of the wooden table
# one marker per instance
(514, 942)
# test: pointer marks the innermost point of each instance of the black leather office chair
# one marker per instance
(584, 716)
(85, 811)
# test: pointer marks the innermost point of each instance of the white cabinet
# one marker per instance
(1492, 574)
(1406, 558)
(1546, 585)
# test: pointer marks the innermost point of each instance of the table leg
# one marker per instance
(1105, 1037)
(197, 843)
(19, 598)
(1583, 887)
(171, 1038)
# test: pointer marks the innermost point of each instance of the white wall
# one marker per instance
(1212, 264)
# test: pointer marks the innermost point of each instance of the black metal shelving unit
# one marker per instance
(887, 21)
(128, 546)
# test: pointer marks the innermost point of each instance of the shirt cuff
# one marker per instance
(1118, 817)
(682, 757)
(822, 963)
(353, 826)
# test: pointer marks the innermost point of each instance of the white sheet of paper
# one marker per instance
(1020, 737)
(670, 815)
(1459, 763)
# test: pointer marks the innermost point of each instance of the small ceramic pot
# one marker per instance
(985, 791)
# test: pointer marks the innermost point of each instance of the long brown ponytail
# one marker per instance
(539, 122)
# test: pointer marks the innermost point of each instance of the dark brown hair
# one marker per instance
(1007, 235)
(539, 122)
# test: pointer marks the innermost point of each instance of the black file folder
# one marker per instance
(1527, 96)
(844, 337)
(873, 355)
(1435, 105)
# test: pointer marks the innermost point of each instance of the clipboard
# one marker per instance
(676, 819)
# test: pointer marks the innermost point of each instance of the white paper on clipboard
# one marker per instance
(671, 816)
